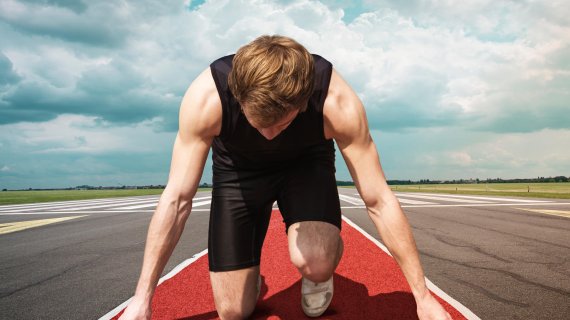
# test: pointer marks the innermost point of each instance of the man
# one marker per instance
(270, 113)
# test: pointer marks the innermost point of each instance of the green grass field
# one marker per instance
(559, 190)
(17, 197)
(537, 190)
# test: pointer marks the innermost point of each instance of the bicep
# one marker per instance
(188, 159)
(348, 122)
(199, 123)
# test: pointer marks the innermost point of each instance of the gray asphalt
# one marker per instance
(498, 260)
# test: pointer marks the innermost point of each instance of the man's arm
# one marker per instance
(199, 122)
(345, 121)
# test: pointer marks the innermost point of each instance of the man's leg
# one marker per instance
(235, 292)
(315, 248)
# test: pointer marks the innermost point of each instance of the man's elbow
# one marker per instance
(379, 204)
(177, 202)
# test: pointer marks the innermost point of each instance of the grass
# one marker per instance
(19, 197)
(559, 190)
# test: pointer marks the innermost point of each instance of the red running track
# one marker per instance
(368, 285)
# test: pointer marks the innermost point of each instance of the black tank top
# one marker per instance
(242, 147)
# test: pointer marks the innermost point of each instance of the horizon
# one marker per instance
(450, 92)
(204, 184)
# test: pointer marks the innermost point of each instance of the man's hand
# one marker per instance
(137, 310)
(430, 309)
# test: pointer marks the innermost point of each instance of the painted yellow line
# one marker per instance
(560, 213)
(23, 225)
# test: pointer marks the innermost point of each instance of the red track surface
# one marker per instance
(368, 285)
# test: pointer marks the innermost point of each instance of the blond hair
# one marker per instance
(271, 77)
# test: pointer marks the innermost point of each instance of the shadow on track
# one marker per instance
(351, 301)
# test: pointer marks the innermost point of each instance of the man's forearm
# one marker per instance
(164, 231)
(393, 227)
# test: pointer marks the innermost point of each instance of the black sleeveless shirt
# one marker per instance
(240, 146)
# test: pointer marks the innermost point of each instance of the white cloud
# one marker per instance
(420, 67)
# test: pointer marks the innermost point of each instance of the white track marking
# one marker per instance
(67, 212)
(408, 201)
(201, 203)
(473, 205)
(44, 205)
(442, 198)
(82, 205)
(435, 289)
(116, 208)
(351, 200)
(201, 198)
(194, 204)
(477, 197)
(171, 274)
(116, 204)
(401, 200)
(149, 205)
(86, 211)
(95, 202)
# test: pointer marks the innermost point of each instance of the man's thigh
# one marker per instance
(239, 217)
(309, 193)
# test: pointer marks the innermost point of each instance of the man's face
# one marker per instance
(273, 131)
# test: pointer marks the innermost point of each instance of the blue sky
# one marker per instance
(90, 90)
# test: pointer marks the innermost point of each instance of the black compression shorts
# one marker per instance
(242, 202)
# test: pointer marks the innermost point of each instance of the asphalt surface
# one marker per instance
(497, 259)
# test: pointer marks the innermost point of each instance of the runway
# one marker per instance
(503, 258)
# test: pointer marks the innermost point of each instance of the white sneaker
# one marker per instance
(316, 297)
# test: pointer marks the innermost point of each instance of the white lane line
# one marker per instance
(149, 205)
(351, 200)
(474, 205)
(87, 211)
(109, 315)
(408, 201)
(194, 204)
(154, 204)
(358, 201)
(442, 198)
(435, 289)
(91, 204)
(200, 203)
(67, 212)
(45, 205)
(81, 205)
(71, 202)
(114, 210)
(115, 204)
(484, 198)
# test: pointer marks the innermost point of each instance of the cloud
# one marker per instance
(60, 22)
(73, 88)
(7, 72)
(418, 64)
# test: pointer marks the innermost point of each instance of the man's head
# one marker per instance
(272, 78)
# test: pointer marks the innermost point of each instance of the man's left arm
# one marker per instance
(345, 121)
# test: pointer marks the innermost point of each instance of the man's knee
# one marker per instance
(315, 267)
(316, 264)
(314, 249)
(234, 310)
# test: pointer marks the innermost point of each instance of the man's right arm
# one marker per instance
(199, 122)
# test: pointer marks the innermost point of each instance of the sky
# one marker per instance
(90, 90)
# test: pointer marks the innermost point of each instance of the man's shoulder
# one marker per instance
(201, 107)
(343, 111)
